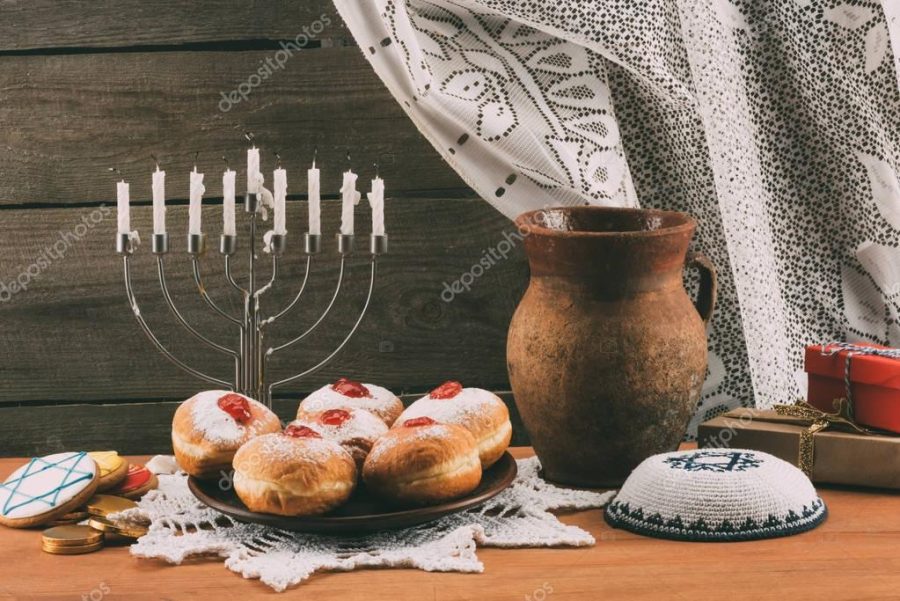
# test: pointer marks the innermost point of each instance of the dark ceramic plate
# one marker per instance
(364, 512)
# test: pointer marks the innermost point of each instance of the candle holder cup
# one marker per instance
(378, 244)
(227, 244)
(345, 243)
(196, 244)
(160, 244)
(124, 244)
(253, 351)
(277, 244)
(312, 243)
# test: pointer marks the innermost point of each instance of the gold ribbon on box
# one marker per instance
(818, 421)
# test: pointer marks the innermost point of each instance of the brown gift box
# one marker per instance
(840, 457)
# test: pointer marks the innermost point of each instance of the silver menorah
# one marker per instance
(252, 357)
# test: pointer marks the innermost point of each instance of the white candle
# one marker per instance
(350, 198)
(196, 200)
(124, 209)
(159, 201)
(376, 200)
(228, 186)
(279, 180)
(253, 170)
(315, 207)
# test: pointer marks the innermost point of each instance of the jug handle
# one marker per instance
(709, 284)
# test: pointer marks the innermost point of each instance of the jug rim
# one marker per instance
(530, 224)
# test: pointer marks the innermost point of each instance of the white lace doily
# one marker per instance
(181, 527)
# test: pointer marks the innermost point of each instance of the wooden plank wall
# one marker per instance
(87, 86)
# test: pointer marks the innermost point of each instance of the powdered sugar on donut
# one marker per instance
(420, 433)
(281, 448)
(216, 425)
(327, 398)
(468, 404)
(361, 425)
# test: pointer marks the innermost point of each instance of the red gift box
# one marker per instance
(874, 383)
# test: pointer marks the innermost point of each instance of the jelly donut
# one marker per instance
(211, 426)
(293, 473)
(421, 462)
(480, 412)
(47, 488)
(348, 394)
(355, 429)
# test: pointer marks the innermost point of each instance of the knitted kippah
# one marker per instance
(716, 495)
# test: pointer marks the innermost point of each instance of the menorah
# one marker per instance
(252, 356)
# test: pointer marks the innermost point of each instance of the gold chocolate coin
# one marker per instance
(103, 505)
(113, 539)
(106, 526)
(70, 518)
(75, 516)
(71, 536)
(71, 550)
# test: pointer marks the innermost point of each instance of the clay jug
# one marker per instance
(606, 351)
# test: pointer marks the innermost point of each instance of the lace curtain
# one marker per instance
(776, 123)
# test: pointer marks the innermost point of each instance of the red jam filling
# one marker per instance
(334, 417)
(295, 431)
(236, 406)
(350, 388)
(418, 421)
(447, 390)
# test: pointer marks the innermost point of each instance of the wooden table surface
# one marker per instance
(854, 555)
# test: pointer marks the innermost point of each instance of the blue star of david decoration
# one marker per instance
(714, 461)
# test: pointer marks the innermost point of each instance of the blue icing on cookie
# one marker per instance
(22, 489)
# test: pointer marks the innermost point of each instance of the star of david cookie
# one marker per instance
(47, 488)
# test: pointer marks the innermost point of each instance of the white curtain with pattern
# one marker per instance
(775, 122)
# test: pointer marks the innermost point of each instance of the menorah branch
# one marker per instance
(132, 301)
(272, 279)
(193, 331)
(295, 300)
(230, 277)
(334, 297)
(343, 343)
(198, 279)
